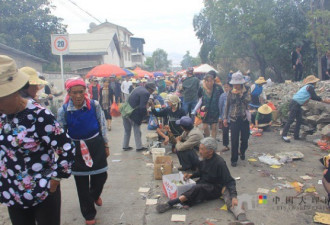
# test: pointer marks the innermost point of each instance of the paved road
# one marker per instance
(122, 204)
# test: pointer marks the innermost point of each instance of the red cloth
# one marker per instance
(76, 81)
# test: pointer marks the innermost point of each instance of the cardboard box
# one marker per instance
(156, 152)
(172, 190)
(163, 166)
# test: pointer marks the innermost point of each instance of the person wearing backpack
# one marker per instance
(85, 123)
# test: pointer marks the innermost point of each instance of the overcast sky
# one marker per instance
(165, 24)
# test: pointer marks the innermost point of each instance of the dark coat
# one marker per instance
(117, 91)
(294, 57)
(324, 68)
(138, 100)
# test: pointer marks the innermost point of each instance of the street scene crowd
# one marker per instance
(185, 111)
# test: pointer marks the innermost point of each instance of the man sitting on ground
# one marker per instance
(187, 143)
(214, 180)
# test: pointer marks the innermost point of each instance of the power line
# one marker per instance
(85, 11)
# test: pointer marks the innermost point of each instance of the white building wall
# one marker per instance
(112, 58)
(124, 40)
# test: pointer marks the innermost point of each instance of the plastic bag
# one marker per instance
(114, 111)
(153, 123)
(268, 159)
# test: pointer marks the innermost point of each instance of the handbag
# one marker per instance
(153, 123)
(114, 110)
(126, 109)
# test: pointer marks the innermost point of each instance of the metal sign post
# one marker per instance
(60, 46)
(62, 73)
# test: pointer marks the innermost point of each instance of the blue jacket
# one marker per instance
(302, 95)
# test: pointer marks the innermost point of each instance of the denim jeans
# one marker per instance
(188, 107)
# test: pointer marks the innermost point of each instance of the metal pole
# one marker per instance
(61, 59)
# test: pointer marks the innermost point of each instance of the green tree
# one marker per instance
(261, 31)
(319, 29)
(204, 32)
(189, 61)
(149, 64)
(27, 26)
(160, 61)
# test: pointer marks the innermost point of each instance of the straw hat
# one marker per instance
(174, 99)
(164, 95)
(237, 78)
(33, 76)
(143, 80)
(311, 79)
(134, 81)
(260, 80)
(265, 109)
(11, 79)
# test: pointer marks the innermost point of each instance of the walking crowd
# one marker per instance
(37, 150)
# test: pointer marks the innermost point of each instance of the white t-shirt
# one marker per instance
(125, 86)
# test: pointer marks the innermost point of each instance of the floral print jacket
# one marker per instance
(33, 149)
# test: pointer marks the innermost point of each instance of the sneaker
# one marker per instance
(225, 149)
(234, 164)
(298, 138)
(141, 149)
(128, 149)
(242, 157)
(161, 208)
(286, 139)
(99, 202)
(90, 222)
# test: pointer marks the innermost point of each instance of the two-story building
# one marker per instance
(138, 57)
(104, 43)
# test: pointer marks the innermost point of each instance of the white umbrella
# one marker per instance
(204, 68)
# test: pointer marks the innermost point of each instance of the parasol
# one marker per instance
(106, 70)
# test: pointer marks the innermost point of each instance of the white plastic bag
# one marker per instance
(268, 159)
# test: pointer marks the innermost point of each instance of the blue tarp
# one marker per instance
(158, 74)
(128, 73)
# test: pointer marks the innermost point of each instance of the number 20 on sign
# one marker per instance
(60, 44)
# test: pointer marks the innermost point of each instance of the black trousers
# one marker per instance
(46, 213)
(89, 189)
(202, 192)
(188, 159)
(239, 128)
(225, 135)
(298, 72)
(295, 113)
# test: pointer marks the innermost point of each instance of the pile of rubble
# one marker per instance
(316, 115)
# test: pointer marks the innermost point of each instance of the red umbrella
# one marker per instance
(106, 70)
(141, 73)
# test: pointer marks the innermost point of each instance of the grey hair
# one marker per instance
(210, 143)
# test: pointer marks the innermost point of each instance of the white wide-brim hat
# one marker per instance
(237, 78)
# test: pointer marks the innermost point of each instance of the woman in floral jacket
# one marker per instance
(29, 138)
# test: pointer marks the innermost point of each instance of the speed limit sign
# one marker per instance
(60, 44)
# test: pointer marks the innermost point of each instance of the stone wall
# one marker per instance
(316, 115)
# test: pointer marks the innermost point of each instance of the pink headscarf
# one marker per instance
(76, 81)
